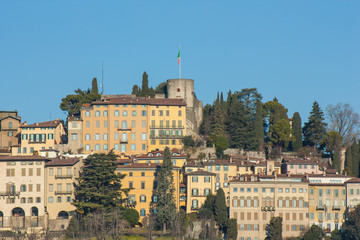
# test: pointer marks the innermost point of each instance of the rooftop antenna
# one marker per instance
(50, 115)
(102, 77)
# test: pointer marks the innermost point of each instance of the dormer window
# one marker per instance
(150, 155)
(158, 154)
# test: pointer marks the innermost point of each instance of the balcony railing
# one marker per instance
(194, 208)
(63, 192)
(63, 176)
(124, 129)
(336, 208)
(268, 209)
(320, 208)
(130, 204)
(162, 127)
(40, 141)
(123, 141)
(9, 194)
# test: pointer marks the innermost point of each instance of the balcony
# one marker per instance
(63, 192)
(320, 208)
(268, 209)
(39, 141)
(123, 141)
(63, 176)
(9, 194)
(124, 129)
(166, 137)
(194, 208)
(130, 204)
(162, 127)
(336, 208)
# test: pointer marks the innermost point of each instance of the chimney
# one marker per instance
(231, 159)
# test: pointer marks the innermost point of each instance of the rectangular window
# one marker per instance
(105, 113)
(194, 179)
(97, 124)
(87, 124)
(51, 187)
(105, 124)
(38, 172)
(30, 171)
(142, 185)
(206, 179)
(143, 113)
(50, 200)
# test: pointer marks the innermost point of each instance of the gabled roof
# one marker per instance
(353, 180)
(54, 123)
(142, 165)
(200, 172)
(16, 118)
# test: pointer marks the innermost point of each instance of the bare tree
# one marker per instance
(117, 225)
(344, 120)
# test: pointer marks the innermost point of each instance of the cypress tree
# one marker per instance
(355, 158)
(315, 129)
(145, 85)
(220, 209)
(165, 206)
(337, 152)
(296, 126)
(136, 90)
(258, 125)
(274, 229)
(94, 86)
(349, 162)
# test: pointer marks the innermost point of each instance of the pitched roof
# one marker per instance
(353, 180)
(174, 153)
(62, 162)
(54, 123)
(23, 158)
(16, 118)
(143, 165)
(200, 172)
(130, 100)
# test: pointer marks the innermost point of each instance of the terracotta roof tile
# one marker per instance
(23, 158)
(54, 123)
(142, 165)
(62, 162)
(353, 180)
(200, 172)
(141, 101)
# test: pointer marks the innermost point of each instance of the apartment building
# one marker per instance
(178, 159)
(75, 144)
(352, 193)
(39, 136)
(126, 124)
(255, 199)
(22, 192)
(141, 180)
(300, 166)
(198, 184)
(9, 129)
(327, 200)
(60, 176)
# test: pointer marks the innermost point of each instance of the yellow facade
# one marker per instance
(39, 136)
(178, 159)
(124, 125)
(167, 126)
(60, 176)
(141, 179)
(199, 184)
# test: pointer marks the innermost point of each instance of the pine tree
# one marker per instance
(165, 208)
(315, 129)
(258, 125)
(99, 188)
(296, 126)
(274, 229)
(220, 210)
(94, 86)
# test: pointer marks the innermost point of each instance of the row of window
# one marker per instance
(29, 187)
(167, 112)
(217, 168)
(40, 137)
(165, 142)
(59, 171)
(196, 192)
(59, 199)
(352, 191)
(24, 149)
(303, 166)
(329, 216)
(24, 163)
(328, 192)
(116, 113)
(196, 179)
(124, 124)
(328, 202)
(10, 172)
(59, 187)
(167, 124)
(117, 147)
(23, 200)
(43, 128)
(264, 190)
(124, 136)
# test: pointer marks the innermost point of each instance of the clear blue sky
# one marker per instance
(298, 51)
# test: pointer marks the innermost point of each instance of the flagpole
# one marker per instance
(180, 63)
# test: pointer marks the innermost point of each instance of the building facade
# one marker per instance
(9, 129)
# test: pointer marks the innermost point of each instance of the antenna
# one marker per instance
(102, 77)
(50, 116)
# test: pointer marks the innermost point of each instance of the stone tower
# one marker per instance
(184, 88)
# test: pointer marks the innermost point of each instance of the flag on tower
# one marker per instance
(178, 57)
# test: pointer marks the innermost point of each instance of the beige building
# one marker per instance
(75, 128)
(198, 184)
(9, 129)
(255, 199)
(327, 200)
(352, 193)
(22, 192)
(39, 136)
(141, 180)
(60, 175)
(123, 124)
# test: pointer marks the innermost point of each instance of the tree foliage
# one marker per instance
(274, 229)
(232, 229)
(165, 208)
(220, 209)
(281, 134)
(351, 227)
(94, 86)
(98, 187)
(315, 129)
(259, 125)
(314, 233)
(130, 215)
(297, 130)
(344, 120)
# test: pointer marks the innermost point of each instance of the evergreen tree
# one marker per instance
(218, 125)
(165, 206)
(249, 98)
(274, 229)
(94, 86)
(258, 125)
(314, 233)
(355, 156)
(351, 227)
(220, 210)
(232, 229)
(136, 90)
(337, 153)
(349, 162)
(296, 126)
(281, 134)
(99, 188)
(145, 85)
(315, 129)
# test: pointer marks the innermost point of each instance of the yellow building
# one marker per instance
(199, 184)
(177, 158)
(123, 123)
(39, 136)
(352, 193)
(60, 176)
(141, 179)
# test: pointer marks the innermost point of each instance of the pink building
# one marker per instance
(300, 166)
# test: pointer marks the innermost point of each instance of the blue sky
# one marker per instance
(298, 51)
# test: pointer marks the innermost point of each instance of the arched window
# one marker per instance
(63, 215)
(1, 219)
